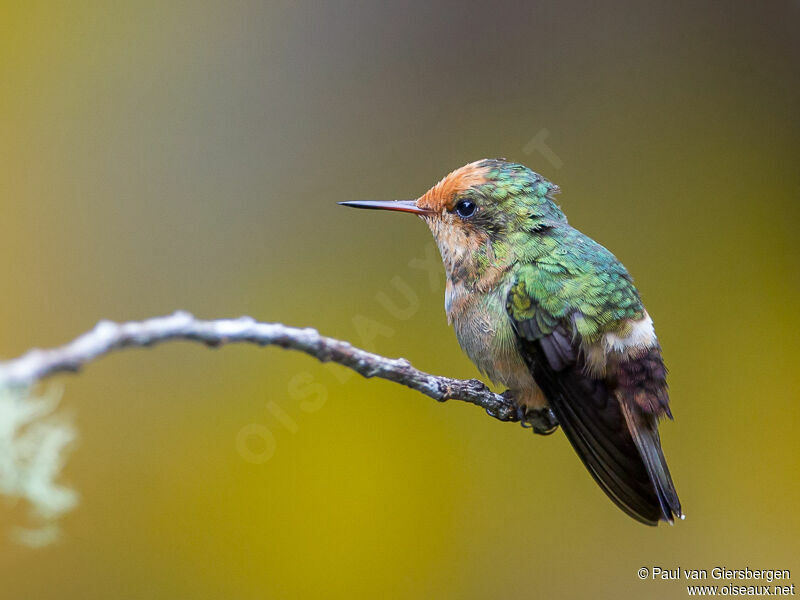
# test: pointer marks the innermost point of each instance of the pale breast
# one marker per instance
(485, 334)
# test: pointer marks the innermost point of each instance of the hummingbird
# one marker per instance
(552, 315)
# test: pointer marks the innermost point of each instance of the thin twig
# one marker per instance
(108, 336)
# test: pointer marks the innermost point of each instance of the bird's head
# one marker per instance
(482, 214)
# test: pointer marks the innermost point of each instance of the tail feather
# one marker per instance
(619, 444)
(600, 435)
(645, 434)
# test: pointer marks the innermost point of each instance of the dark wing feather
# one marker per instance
(613, 434)
(593, 421)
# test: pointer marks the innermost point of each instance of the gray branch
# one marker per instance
(108, 336)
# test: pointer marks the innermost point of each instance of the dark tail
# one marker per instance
(620, 446)
(644, 430)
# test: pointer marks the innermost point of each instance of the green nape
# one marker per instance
(519, 193)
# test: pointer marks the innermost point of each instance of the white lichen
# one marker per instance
(34, 442)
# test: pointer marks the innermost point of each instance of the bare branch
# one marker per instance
(108, 336)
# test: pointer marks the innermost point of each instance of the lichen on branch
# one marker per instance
(108, 337)
(33, 443)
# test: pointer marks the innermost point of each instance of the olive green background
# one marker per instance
(165, 155)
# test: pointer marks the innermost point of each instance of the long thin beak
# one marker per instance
(409, 206)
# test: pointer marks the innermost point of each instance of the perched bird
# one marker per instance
(552, 315)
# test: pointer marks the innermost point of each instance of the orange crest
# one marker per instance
(442, 196)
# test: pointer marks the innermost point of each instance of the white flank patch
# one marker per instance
(642, 335)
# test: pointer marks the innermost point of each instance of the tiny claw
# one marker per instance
(522, 415)
(543, 421)
(519, 409)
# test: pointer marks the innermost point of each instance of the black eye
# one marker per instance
(465, 209)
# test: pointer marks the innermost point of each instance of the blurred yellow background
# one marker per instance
(156, 156)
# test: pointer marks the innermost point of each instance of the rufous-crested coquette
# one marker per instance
(552, 315)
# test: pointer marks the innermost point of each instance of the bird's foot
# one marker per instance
(542, 420)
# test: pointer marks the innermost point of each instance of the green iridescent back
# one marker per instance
(560, 274)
